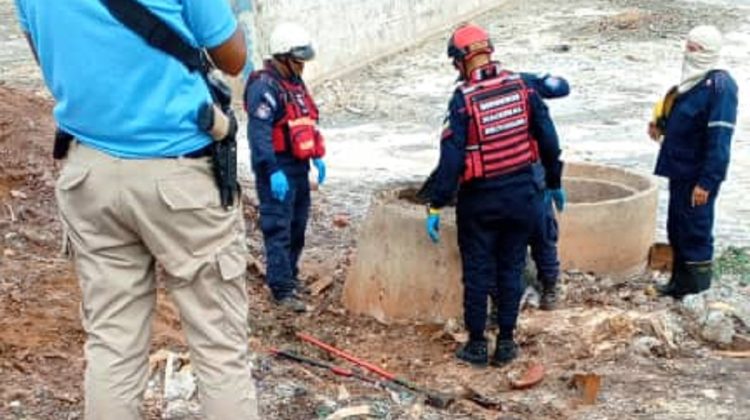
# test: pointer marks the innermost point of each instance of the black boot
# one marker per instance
(292, 303)
(666, 289)
(550, 292)
(699, 277)
(670, 288)
(505, 352)
(691, 278)
(474, 352)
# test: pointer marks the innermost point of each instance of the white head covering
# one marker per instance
(697, 64)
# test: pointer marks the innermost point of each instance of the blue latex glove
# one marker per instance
(279, 185)
(433, 225)
(321, 167)
(558, 197)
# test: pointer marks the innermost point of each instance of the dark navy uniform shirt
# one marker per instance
(453, 147)
(699, 131)
(264, 98)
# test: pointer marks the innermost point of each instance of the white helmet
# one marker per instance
(293, 40)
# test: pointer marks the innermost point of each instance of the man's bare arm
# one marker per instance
(230, 57)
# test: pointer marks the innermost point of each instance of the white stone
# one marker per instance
(646, 345)
(695, 305)
(718, 328)
(181, 385)
(711, 394)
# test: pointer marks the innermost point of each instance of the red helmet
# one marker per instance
(467, 41)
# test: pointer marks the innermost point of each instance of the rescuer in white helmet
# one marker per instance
(284, 138)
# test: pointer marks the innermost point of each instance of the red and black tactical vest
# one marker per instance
(297, 131)
(499, 139)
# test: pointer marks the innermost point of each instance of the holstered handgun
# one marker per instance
(219, 121)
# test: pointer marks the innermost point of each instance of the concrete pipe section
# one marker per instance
(400, 275)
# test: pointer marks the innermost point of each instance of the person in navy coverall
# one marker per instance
(496, 132)
(543, 242)
(283, 136)
(695, 123)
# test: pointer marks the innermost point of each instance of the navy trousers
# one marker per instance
(543, 245)
(283, 224)
(690, 229)
(494, 228)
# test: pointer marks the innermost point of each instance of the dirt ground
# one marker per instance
(654, 357)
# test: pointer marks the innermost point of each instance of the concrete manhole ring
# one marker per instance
(399, 275)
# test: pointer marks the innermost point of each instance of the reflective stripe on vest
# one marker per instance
(499, 139)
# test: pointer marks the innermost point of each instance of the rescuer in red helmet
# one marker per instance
(500, 150)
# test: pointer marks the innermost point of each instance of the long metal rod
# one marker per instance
(344, 355)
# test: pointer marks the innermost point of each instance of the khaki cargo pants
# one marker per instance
(121, 217)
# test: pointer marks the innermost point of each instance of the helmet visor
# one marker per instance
(302, 53)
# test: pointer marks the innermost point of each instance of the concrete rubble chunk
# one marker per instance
(351, 412)
(178, 384)
(648, 346)
(181, 386)
(178, 410)
(530, 298)
(290, 390)
(695, 306)
(718, 328)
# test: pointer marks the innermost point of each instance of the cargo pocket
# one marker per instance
(189, 193)
(232, 292)
(72, 177)
(231, 264)
(200, 226)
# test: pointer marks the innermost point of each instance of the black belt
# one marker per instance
(196, 154)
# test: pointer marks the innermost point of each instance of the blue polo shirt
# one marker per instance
(114, 92)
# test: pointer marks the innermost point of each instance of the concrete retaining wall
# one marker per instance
(351, 33)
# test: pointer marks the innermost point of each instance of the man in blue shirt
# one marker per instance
(137, 189)
(496, 133)
(695, 124)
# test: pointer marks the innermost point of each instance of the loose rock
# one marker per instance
(718, 328)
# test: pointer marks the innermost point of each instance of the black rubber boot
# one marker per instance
(666, 289)
(474, 352)
(505, 352)
(699, 278)
(670, 288)
(550, 293)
